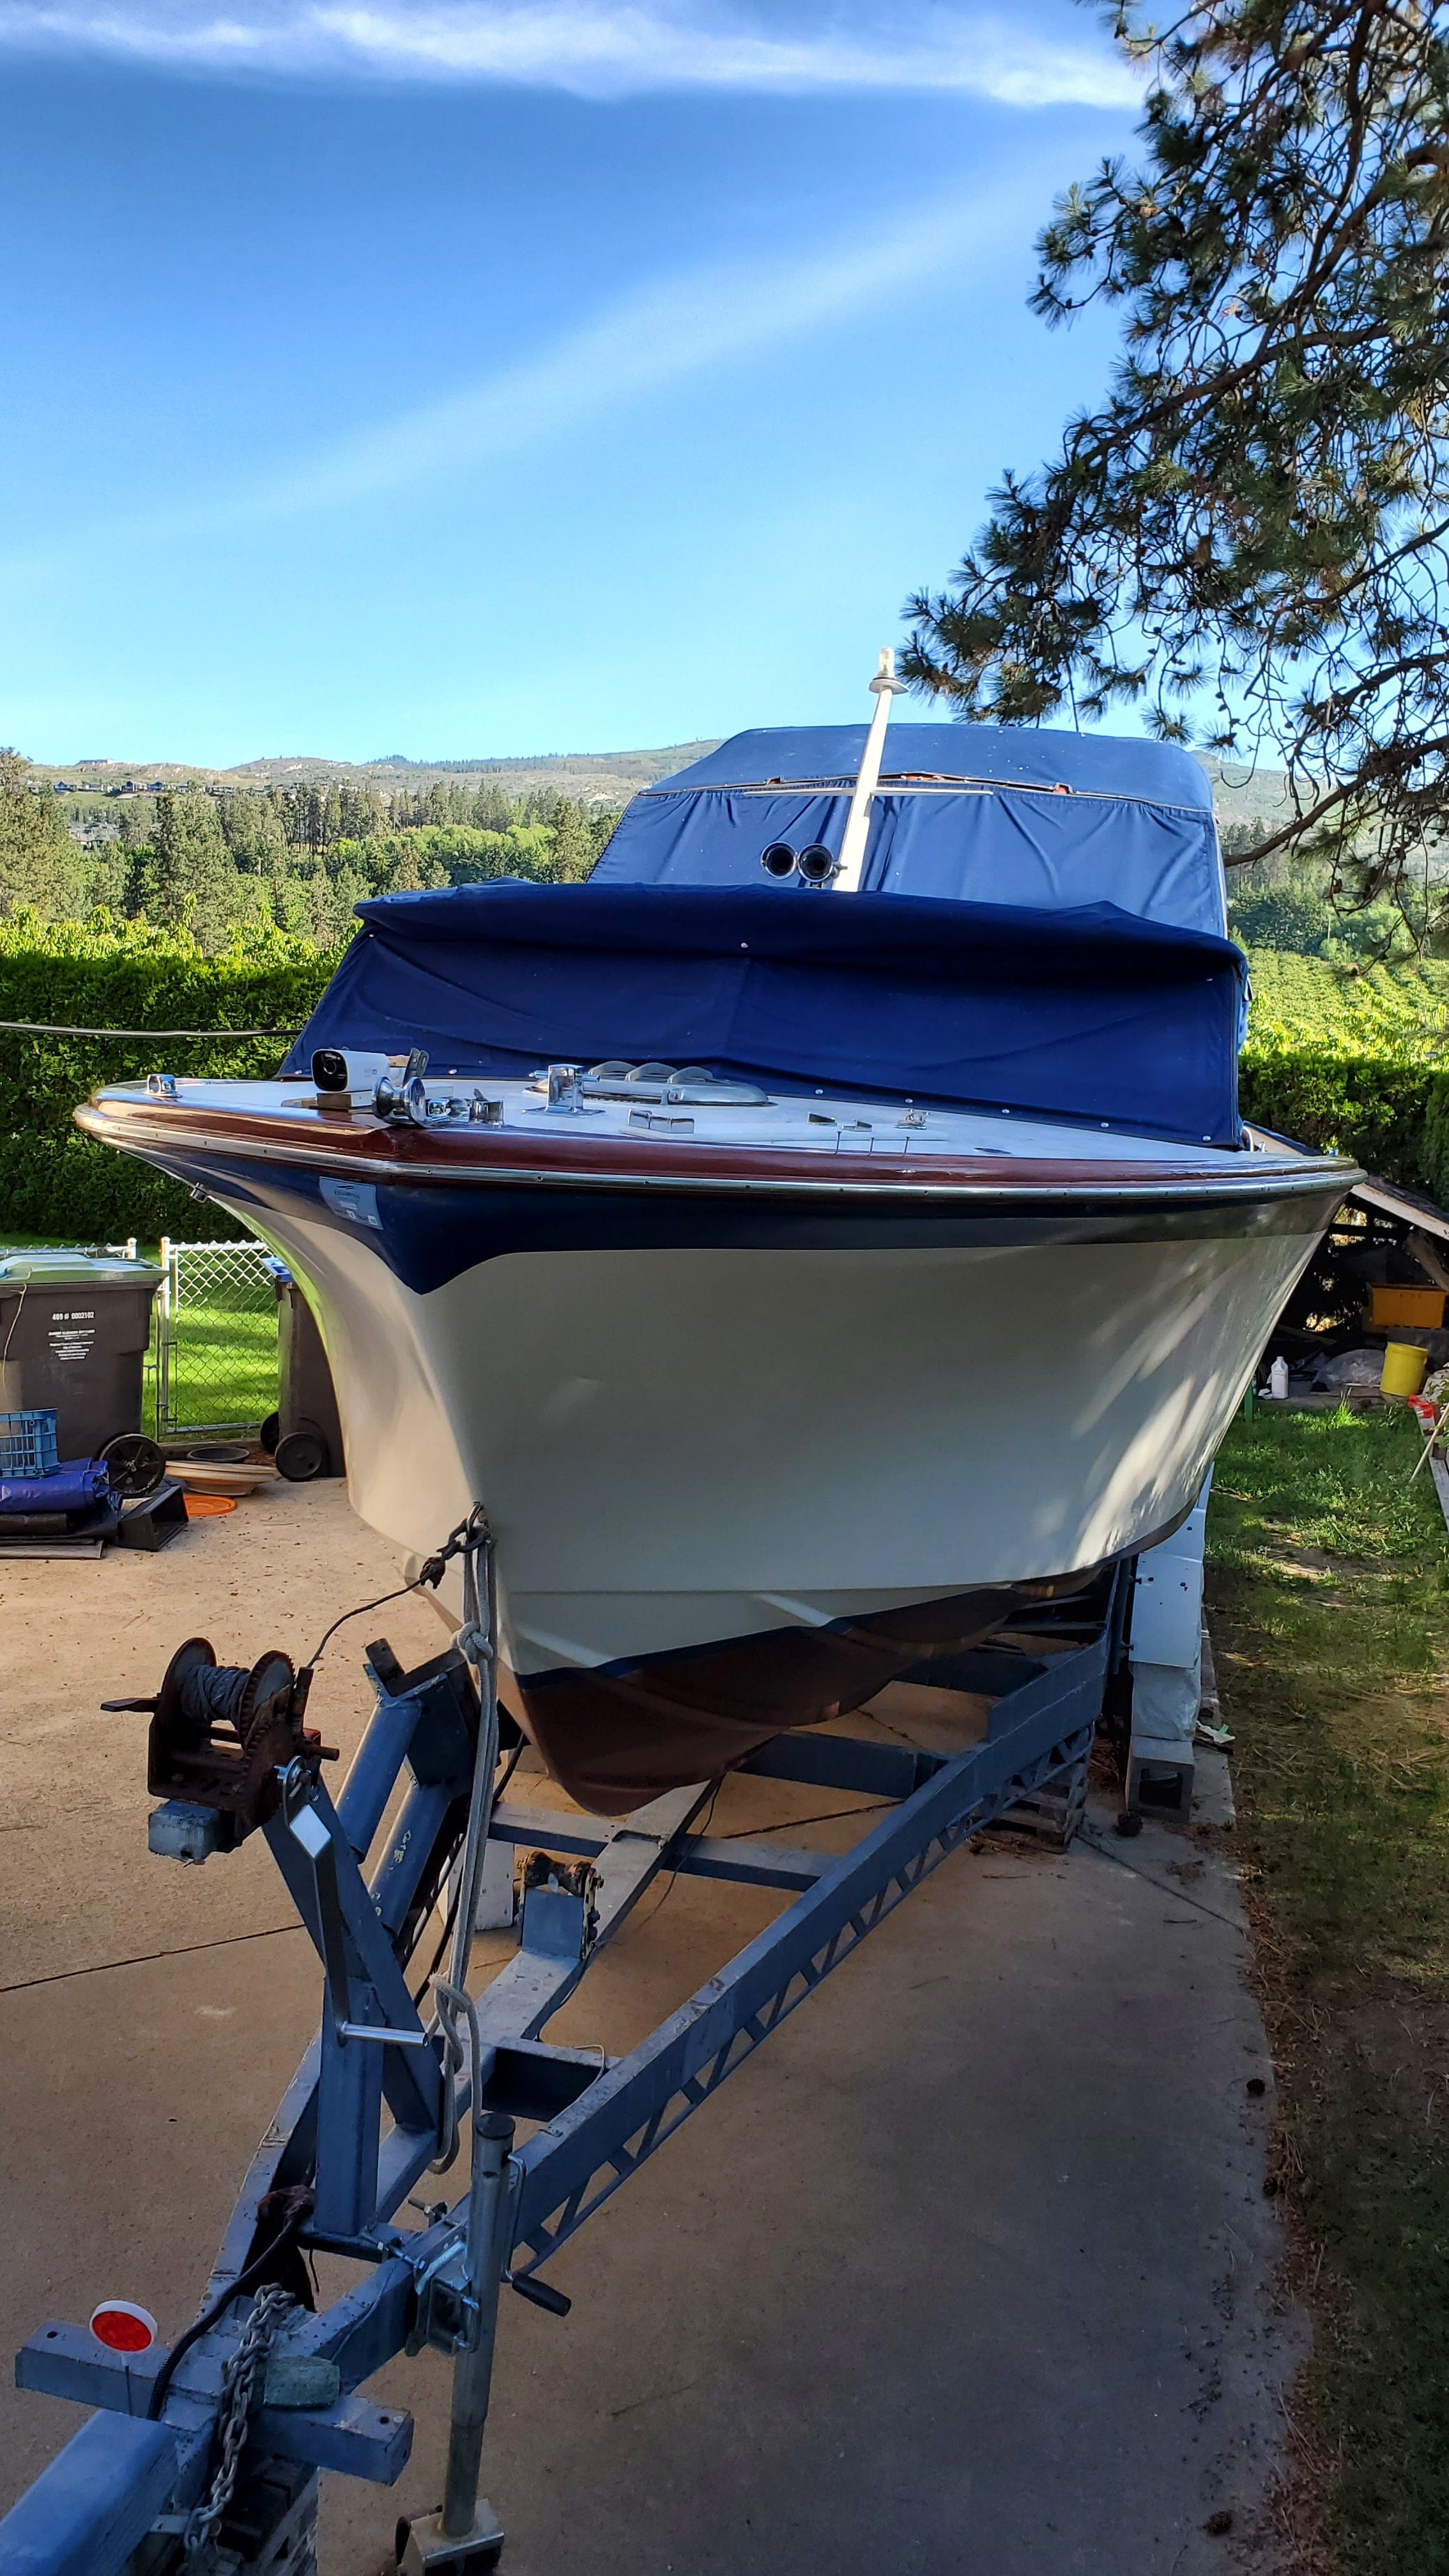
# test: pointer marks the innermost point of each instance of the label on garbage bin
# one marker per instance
(72, 1332)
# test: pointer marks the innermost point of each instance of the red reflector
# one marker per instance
(123, 2327)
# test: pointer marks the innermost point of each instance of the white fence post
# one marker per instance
(163, 1341)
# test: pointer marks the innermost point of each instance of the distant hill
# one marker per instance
(605, 778)
(591, 777)
(594, 777)
(1241, 795)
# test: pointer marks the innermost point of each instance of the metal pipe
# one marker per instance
(884, 687)
(473, 2368)
(478, 1639)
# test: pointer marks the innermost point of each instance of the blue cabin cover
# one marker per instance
(1041, 930)
(970, 813)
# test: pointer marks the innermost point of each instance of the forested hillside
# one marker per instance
(216, 861)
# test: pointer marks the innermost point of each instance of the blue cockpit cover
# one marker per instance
(969, 813)
(1085, 1014)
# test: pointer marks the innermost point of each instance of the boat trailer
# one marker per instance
(207, 2457)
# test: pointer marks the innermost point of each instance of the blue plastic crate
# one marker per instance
(28, 1443)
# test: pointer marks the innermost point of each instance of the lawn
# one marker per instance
(224, 1367)
(1329, 1585)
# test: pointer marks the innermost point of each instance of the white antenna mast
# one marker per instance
(884, 687)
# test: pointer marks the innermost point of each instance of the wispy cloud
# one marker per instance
(596, 48)
(660, 337)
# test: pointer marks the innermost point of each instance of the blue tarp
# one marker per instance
(1086, 1013)
(74, 1486)
(1134, 827)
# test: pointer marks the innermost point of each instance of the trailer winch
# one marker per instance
(221, 1741)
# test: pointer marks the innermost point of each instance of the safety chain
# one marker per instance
(238, 2379)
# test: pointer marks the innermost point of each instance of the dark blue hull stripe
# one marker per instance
(430, 1233)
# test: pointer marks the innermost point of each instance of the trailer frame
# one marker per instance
(378, 2095)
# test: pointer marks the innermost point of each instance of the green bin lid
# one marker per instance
(73, 1267)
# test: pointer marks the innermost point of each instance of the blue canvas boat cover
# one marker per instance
(1086, 1013)
(969, 813)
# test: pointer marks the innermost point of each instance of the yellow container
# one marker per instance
(1404, 1366)
(1405, 1306)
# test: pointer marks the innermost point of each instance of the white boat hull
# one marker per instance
(784, 1440)
(850, 1426)
(738, 1478)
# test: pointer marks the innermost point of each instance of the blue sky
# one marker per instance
(497, 376)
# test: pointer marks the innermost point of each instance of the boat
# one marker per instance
(820, 1236)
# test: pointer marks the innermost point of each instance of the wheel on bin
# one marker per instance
(135, 1464)
(270, 1433)
(302, 1455)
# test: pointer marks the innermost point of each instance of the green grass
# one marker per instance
(225, 1368)
(1330, 1584)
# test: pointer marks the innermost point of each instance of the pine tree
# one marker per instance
(40, 865)
(252, 831)
(190, 879)
(137, 826)
(1246, 541)
(361, 813)
(491, 810)
(573, 843)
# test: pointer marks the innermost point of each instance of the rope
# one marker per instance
(212, 1692)
(61, 1029)
(457, 1543)
(14, 1320)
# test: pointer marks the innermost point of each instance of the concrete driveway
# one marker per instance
(970, 2268)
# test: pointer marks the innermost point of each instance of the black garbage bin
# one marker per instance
(74, 1332)
(304, 1433)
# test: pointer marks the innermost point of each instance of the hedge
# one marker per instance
(1377, 1108)
(1435, 1154)
(126, 975)
(79, 1192)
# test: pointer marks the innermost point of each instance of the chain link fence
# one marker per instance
(216, 1338)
